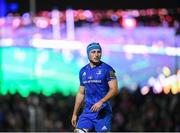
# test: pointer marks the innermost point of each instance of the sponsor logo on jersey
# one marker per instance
(91, 81)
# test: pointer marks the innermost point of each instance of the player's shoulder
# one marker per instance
(107, 66)
(84, 68)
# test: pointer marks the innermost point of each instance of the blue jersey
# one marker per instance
(95, 81)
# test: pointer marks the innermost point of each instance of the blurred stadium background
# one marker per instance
(43, 46)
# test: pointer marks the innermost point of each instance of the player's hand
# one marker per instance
(96, 106)
(73, 120)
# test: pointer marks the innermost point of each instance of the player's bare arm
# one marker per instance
(78, 102)
(113, 91)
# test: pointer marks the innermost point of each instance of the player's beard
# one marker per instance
(95, 62)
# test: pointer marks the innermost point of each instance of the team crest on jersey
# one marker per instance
(99, 72)
(84, 74)
(112, 74)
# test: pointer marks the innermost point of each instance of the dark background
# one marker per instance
(95, 4)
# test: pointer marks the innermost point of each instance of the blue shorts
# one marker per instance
(101, 123)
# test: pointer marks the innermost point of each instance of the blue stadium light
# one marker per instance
(13, 7)
(3, 7)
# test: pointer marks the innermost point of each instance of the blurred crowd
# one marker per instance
(132, 112)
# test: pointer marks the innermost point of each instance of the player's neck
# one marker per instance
(94, 64)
